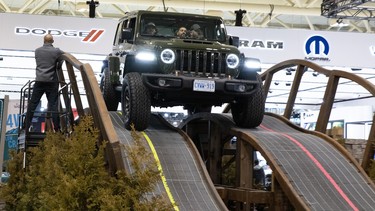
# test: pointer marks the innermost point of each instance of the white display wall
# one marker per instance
(90, 40)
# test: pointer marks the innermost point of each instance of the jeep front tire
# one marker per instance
(135, 102)
(108, 91)
(249, 112)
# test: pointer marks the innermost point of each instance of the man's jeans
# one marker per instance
(51, 89)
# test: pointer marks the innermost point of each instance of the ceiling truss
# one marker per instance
(299, 14)
(349, 9)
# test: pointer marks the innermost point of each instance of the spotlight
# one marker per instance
(276, 83)
(239, 16)
(92, 5)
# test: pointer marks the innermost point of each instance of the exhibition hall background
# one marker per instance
(21, 34)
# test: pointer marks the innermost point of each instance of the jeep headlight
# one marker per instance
(233, 61)
(145, 56)
(167, 56)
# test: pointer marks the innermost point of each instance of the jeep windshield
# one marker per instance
(168, 25)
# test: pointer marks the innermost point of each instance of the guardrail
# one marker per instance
(329, 95)
(97, 109)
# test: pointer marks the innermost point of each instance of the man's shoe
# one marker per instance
(58, 130)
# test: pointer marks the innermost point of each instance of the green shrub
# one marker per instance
(68, 173)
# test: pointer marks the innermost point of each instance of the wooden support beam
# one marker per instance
(245, 195)
(244, 164)
(326, 107)
(293, 92)
(215, 153)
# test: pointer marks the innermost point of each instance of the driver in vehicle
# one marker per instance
(181, 33)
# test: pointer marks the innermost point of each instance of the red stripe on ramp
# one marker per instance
(319, 165)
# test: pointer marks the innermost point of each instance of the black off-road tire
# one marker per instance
(111, 98)
(135, 102)
(249, 112)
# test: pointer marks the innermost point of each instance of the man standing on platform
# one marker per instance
(48, 60)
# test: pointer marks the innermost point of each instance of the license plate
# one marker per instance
(204, 86)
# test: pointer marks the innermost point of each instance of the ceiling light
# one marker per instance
(82, 7)
(239, 16)
(92, 5)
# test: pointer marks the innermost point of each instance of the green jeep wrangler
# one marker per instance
(166, 59)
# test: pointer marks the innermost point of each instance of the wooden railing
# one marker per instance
(97, 108)
(329, 96)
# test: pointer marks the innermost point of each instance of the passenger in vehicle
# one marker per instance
(181, 32)
(150, 29)
(196, 32)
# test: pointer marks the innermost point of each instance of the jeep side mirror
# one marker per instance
(235, 41)
(127, 34)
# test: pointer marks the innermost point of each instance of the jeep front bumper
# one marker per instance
(219, 88)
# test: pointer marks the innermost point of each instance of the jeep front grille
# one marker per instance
(201, 63)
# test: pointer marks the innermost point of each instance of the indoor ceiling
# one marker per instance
(299, 14)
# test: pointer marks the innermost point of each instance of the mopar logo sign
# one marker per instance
(317, 48)
(88, 36)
